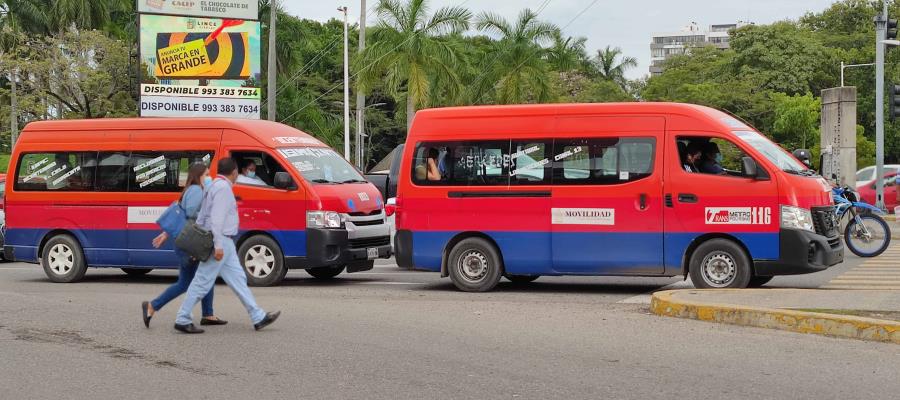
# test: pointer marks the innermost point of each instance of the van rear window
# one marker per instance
(107, 171)
(59, 172)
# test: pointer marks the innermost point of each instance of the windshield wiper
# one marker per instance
(322, 181)
(353, 181)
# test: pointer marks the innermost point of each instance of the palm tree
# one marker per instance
(410, 51)
(567, 53)
(85, 14)
(606, 65)
(518, 68)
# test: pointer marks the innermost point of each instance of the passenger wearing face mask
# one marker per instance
(712, 160)
(248, 175)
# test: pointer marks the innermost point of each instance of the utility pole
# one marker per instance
(880, 36)
(360, 95)
(273, 61)
(346, 87)
(14, 116)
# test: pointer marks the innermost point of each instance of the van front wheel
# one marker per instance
(262, 260)
(720, 264)
(474, 265)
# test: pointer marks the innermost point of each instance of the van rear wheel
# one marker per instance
(475, 265)
(720, 264)
(63, 259)
(262, 260)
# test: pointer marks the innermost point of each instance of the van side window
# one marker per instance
(112, 171)
(530, 161)
(58, 172)
(469, 163)
(153, 171)
(602, 161)
(256, 168)
(718, 156)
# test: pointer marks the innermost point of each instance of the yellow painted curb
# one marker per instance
(845, 326)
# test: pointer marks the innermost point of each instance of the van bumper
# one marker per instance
(332, 247)
(802, 252)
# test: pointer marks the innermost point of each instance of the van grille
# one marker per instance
(370, 242)
(826, 224)
(368, 223)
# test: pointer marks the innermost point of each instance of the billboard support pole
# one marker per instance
(360, 95)
(346, 88)
(272, 74)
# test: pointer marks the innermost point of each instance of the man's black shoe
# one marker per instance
(207, 321)
(268, 320)
(189, 328)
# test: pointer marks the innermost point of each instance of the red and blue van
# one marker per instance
(603, 189)
(87, 193)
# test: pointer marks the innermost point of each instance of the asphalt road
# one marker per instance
(392, 334)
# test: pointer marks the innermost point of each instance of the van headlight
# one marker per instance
(796, 218)
(324, 219)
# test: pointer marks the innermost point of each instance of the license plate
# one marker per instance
(372, 253)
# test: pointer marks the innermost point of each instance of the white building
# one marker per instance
(665, 45)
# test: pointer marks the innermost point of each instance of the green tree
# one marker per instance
(517, 69)
(84, 14)
(611, 64)
(567, 53)
(797, 120)
(410, 50)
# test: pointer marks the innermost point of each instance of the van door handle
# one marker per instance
(687, 198)
(643, 201)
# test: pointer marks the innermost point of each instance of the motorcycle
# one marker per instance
(867, 234)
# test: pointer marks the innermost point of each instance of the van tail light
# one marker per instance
(390, 207)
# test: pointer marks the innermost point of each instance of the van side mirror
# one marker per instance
(284, 181)
(751, 170)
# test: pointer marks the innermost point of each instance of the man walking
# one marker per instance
(219, 215)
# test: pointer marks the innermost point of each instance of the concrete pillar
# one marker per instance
(839, 135)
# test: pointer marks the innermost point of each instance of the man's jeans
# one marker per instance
(232, 273)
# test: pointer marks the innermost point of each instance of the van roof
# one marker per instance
(264, 131)
(715, 118)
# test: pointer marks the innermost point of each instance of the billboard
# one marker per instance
(199, 67)
(238, 9)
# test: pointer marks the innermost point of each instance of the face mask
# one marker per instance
(251, 174)
(719, 158)
(207, 181)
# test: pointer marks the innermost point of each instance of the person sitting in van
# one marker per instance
(692, 155)
(712, 160)
(248, 175)
(429, 170)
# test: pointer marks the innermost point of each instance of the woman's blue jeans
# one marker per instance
(186, 273)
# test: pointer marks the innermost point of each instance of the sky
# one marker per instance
(628, 24)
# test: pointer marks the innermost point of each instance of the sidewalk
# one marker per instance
(859, 314)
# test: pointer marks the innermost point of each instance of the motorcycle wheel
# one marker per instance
(878, 229)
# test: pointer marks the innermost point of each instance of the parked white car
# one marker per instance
(866, 175)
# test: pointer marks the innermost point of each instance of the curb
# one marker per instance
(844, 326)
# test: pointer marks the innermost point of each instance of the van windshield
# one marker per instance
(773, 152)
(321, 165)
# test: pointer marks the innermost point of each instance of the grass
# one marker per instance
(4, 163)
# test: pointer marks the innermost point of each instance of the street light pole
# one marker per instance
(346, 87)
(845, 66)
(880, 36)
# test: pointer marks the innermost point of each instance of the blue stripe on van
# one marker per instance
(587, 253)
(106, 247)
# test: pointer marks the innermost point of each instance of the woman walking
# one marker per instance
(191, 199)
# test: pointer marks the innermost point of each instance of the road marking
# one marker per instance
(882, 272)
